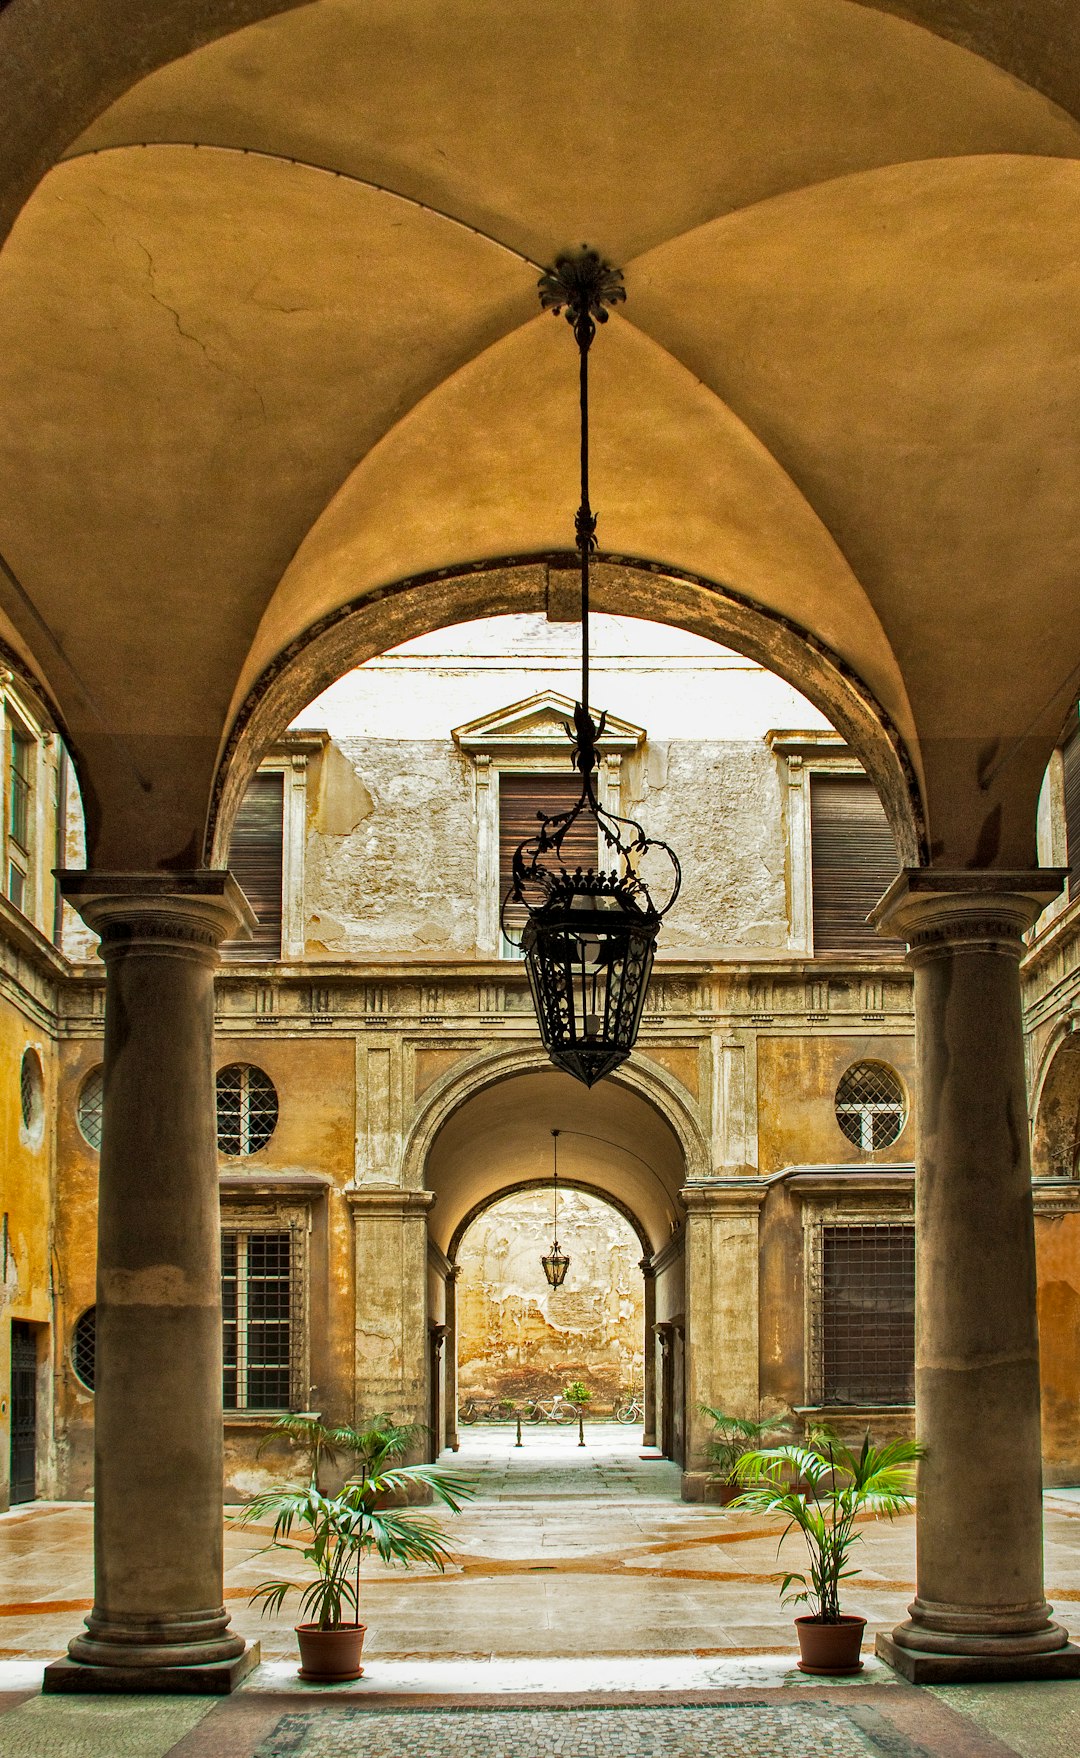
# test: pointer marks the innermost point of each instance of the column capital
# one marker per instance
(728, 1196)
(388, 1199)
(937, 908)
(199, 908)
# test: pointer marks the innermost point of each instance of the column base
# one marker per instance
(923, 1668)
(214, 1678)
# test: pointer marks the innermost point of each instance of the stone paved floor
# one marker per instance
(587, 1612)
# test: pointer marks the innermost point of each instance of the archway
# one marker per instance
(630, 1142)
(1055, 1144)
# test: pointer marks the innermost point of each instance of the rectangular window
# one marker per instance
(521, 799)
(854, 861)
(1071, 764)
(258, 1297)
(255, 859)
(20, 815)
(867, 1314)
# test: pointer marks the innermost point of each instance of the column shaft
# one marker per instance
(648, 1397)
(980, 1610)
(159, 1621)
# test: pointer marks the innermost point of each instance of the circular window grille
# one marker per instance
(32, 1095)
(870, 1107)
(88, 1109)
(247, 1109)
(84, 1347)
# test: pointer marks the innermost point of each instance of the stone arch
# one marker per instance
(530, 1184)
(464, 1082)
(1055, 1139)
(363, 627)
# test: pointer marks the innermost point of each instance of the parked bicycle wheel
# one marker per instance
(467, 1411)
(562, 1411)
(627, 1410)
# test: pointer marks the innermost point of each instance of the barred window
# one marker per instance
(88, 1108)
(247, 1109)
(84, 1348)
(868, 1314)
(870, 1107)
(257, 1298)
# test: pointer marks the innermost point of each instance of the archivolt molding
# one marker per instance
(531, 1184)
(459, 1085)
(415, 605)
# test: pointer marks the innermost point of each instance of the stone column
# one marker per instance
(159, 1622)
(980, 1611)
(391, 1247)
(648, 1395)
(451, 1438)
(722, 1342)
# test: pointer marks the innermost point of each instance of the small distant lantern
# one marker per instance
(590, 934)
(555, 1262)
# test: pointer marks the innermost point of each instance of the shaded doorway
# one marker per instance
(23, 1412)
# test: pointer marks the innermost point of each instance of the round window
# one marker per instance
(88, 1108)
(247, 1109)
(32, 1097)
(84, 1347)
(870, 1105)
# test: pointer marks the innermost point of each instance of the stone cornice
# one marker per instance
(723, 1195)
(388, 1199)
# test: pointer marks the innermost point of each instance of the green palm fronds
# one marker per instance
(821, 1488)
(333, 1533)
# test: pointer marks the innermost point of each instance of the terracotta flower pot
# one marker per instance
(830, 1648)
(329, 1657)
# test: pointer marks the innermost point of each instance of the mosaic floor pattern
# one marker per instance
(743, 1730)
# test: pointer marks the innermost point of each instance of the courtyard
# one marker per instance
(587, 1610)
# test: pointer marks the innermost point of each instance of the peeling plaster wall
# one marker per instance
(517, 1335)
(399, 880)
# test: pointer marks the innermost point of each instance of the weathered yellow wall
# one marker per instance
(797, 1081)
(315, 1079)
(26, 1160)
(1057, 1247)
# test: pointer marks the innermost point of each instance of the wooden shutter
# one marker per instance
(854, 861)
(521, 797)
(255, 860)
(1071, 764)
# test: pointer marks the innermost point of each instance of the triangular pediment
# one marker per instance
(540, 721)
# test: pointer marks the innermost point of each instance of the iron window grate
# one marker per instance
(870, 1106)
(868, 1314)
(88, 1109)
(84, 1348)
(257, 1319)
(247, 1109)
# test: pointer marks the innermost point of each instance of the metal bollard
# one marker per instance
(581, 1428)
(517, 1443)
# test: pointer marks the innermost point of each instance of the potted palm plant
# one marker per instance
(821, 1488)
(333, 1533)
(730, 1439)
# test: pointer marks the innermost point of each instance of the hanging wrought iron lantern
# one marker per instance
(590, 934)
(556, 1263)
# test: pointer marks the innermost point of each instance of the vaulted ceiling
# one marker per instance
(271, 344)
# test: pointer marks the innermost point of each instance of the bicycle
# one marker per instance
(629, 1409)
(557, 1409)
(486, 1410)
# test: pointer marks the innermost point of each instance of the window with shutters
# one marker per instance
(853, 862)
(521, 799)
(863, 1318)
(255, 859)
(1070, 757)
(20, 818)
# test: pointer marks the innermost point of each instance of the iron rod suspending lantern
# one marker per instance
(556, 1263)
(590, 934)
